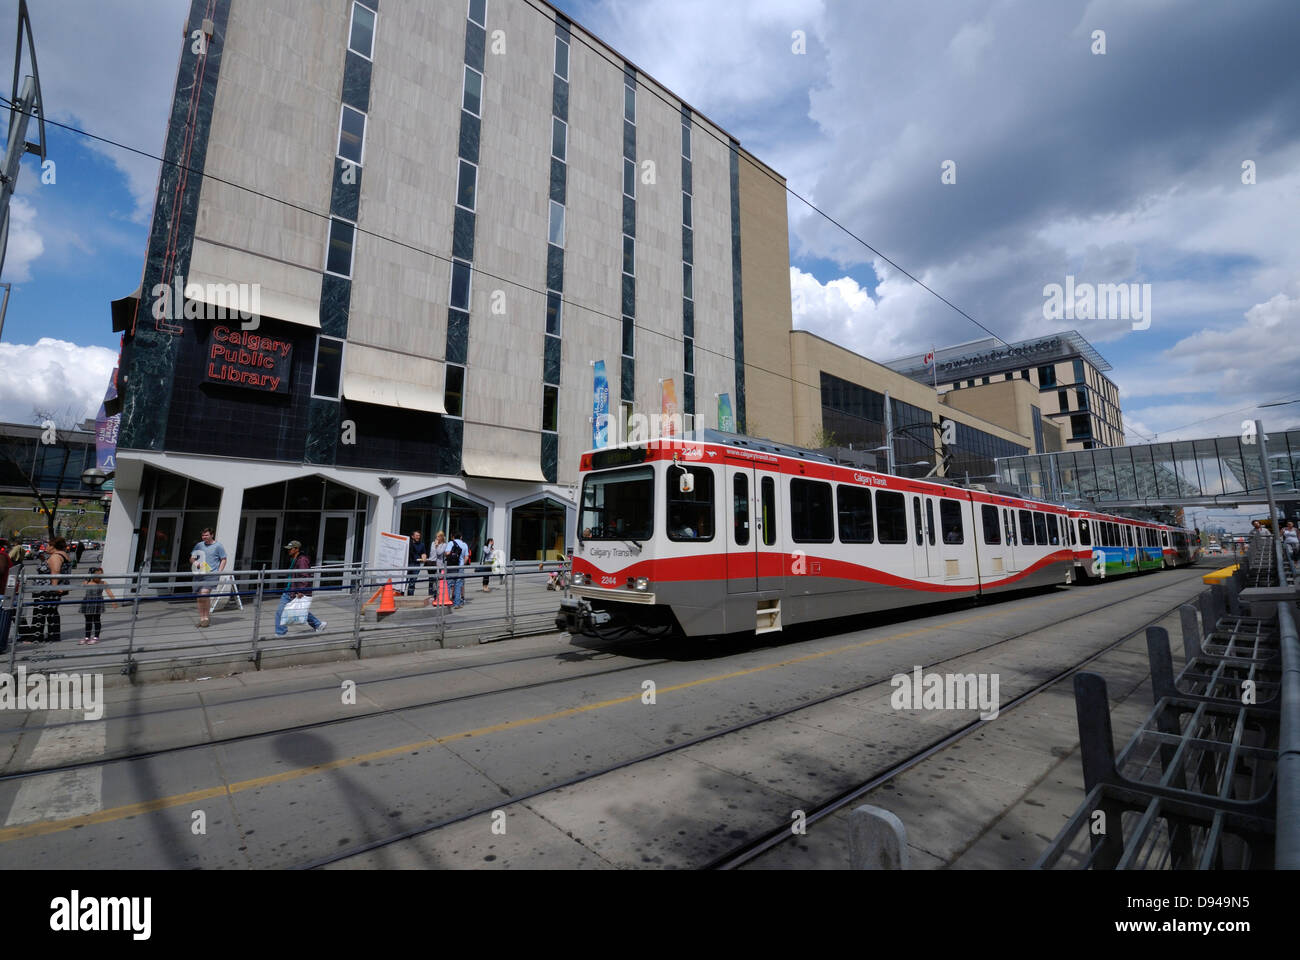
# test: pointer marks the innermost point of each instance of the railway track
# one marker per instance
(743, 853)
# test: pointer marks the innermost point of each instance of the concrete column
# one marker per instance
(119, 539)
(227, 532)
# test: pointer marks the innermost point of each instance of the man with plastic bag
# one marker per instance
(295, 602)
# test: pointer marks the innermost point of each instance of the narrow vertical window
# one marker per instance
(686, 141)
(629, 179)
(686, 210)
(740, 508)
(629, 328)
(629, 103)
(478, 12)
(361, 37)
(472, 101)
(550, 407)
(553, 309)
(629, 256)
(339, 256)
(352, 134)
(559, 138)
(453, 397)
(328, 368)
(561, 59)
(556, 232)
(460, 284)
(467, 185)
(688, 281)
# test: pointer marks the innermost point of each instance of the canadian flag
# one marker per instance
(929, 358)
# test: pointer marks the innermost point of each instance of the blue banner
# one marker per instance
(726, 422)
(106, 431)
(600, 409)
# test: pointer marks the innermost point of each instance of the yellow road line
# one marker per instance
(44, 827)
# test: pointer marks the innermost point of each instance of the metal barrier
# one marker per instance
(1211, 779)
(153, 617)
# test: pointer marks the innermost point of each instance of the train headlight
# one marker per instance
(642, 583)
(579, 579)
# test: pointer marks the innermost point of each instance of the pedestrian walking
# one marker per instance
(81, 547)
(486, 559)
(1291, 539)
(47, 625)
(299, 586)
(207, 559)
(457, 554)
(92, 604)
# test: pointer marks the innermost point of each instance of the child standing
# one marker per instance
(92, 604)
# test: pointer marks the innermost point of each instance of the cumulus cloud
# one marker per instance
(25, 243)
(53, 375)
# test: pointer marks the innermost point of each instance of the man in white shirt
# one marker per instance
(457, 554)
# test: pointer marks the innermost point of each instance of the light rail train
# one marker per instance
(726, 533)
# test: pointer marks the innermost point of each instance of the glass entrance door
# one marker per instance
(334, 552)
(165, 549)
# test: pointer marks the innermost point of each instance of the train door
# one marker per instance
(1010, 538)
(921, 565)
(743, 539)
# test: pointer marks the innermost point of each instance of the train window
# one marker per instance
(769, 511)
(1085, 534)
(1026, 528)
(929, 521)
(1164, 534)
(891, 517)
(740, 507)
(992, 534)
(690, 515)
(618, 505)
(916, 517)
(1009, 525)
(810, 512)
(855, 514)
(1107, 534)
(1053, 530)
(1040, 528)
(950, 521)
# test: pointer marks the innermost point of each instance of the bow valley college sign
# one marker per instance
(994, 360)
(241, 358)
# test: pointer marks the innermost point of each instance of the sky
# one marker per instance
(990, 148)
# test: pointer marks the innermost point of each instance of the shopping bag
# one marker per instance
(498, 562)
(297, 610)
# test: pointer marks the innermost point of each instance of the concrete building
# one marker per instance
(1064, 369)
(391, 238)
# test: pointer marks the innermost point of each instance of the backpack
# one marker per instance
(453, 553)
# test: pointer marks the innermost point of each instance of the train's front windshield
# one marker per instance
(618, 505)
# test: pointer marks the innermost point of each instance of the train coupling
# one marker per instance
(577, 616)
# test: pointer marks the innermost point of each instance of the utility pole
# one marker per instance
(889, 437)
(24, 105)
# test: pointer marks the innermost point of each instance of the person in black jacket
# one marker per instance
(419, 556)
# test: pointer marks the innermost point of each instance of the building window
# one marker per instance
(352, 134)
(689, 351)
(1082, 395)
(561, 59)
(329, 368)
(1063, 399)
(1024, 374)
(478, 12)
(550, 407)
(1078, 371)
(629, 103)
(971, 382)
(987, 380)
(629, 328)
(629, 256)
(686, 141)
(553, 309)
(472, 100)
(686, 210)
(629, 179)
(361, 37)
(555, 234)
(1080, 426)
(460, 284)
(467, 185)
(1047, 376)
(453, 397)
(559, 138)
(688, 281)
(339, 256)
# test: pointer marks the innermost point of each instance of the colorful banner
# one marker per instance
(600, 408)
(726, 421)
(670, 418)
(106, 430)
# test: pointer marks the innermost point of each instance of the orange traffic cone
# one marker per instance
(386, 602)
(443, 599)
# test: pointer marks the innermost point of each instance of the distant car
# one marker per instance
(1214, 548)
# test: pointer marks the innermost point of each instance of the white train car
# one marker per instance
(730, 534)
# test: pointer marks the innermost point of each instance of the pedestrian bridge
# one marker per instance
(1218, 471)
